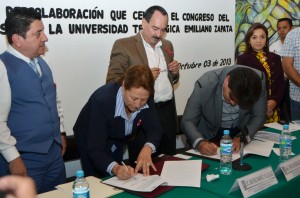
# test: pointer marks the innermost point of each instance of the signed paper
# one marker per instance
(140, 183)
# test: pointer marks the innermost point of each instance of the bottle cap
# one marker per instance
(226, 132)
(285, 127)
(79, 173)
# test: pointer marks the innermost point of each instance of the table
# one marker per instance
(221, 187)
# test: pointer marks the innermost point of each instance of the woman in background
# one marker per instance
(257, 56)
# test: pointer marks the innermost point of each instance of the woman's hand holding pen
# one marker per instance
(123, 172)
(207, 148)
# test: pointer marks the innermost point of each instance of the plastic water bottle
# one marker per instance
(285, 144)
(80, 186)
(226, 154)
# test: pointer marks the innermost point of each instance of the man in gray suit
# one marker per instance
(148, 47)
(233, 98)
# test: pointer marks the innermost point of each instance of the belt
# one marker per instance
(161, 104)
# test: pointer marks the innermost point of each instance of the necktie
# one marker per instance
(34, 67)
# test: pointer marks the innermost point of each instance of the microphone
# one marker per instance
(245, 135)
(244, 139)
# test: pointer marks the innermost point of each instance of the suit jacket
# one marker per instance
(202, 116)
(130, 51)
(277, 75)
(103, 134)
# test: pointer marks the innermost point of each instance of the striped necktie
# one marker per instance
(34, 67)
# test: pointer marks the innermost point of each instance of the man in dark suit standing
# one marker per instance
(149, 48)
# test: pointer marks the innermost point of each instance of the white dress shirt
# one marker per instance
(8, 142)
(162, 88)
(276, 47)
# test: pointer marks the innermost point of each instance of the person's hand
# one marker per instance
(17, 187)
(17, 167)
(64, 144)
(144, 161)
(236, 144)
(173, 67)
(155, 72)
(271, 104)
(207, 148)
(123, 172)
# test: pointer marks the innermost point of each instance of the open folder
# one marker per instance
(159, 163)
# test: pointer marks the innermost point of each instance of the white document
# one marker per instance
(293, 126)
(257, 147)
(265, 135)
(97, 189)
(138, 183)
(182, 156)
(216, 156)
(291, 168)
(255, 182)
(182, 173)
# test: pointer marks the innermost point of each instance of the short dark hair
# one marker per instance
(250, 32)
(285, 19)
(138, 76)
(18, 21)
(149, 12)
(245, 85)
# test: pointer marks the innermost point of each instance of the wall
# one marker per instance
(80, 60)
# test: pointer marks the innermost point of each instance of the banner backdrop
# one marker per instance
(81, 35)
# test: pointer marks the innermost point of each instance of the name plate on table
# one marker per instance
(290, 168)
(255, 182)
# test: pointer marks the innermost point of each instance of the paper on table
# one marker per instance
(182, 156)
(265, 135)
(182, 173)
(139, 183)
(257, 147)
(293, 126)
(97, 189)
(54, 193)
(216, 156)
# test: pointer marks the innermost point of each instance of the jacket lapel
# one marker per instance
(167, 52)
(141, 50)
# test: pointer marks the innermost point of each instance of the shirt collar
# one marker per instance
(19, 55)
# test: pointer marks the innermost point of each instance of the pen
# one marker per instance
(259, 140)
(127, 168)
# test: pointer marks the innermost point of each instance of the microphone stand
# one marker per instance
(240, 165)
